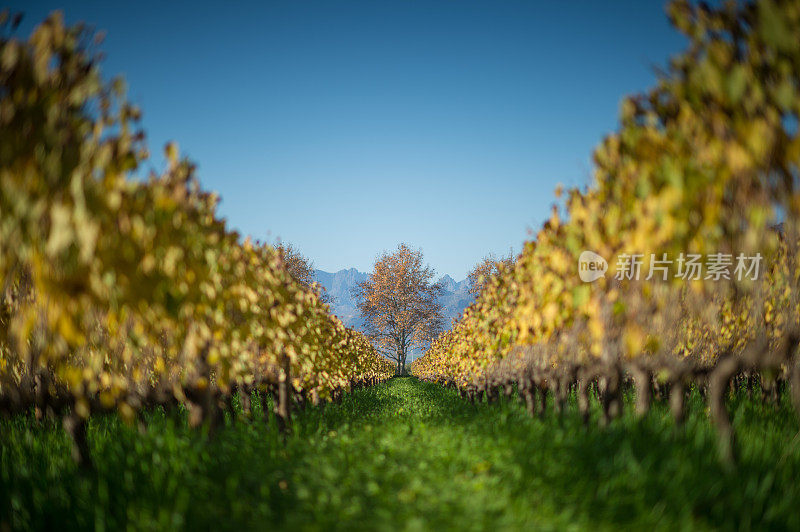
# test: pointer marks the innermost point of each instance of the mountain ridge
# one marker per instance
(339, 285)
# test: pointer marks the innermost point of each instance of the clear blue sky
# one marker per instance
(348, 127)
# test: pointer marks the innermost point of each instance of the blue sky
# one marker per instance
(349, 127)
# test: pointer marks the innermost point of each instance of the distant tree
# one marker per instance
(301, 268)
(400, 304)
(487, 268)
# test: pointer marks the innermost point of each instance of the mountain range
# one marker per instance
(339, 285)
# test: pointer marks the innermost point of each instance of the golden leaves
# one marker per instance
(703, 163)
(132, 284)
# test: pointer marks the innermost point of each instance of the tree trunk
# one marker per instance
(283, 400)
(677, 400)
(769, 389)
(610, 397)
(583, 400)
(76, 428)
(528, 392)
(643, 381)
(244, 398)
(718, 386)
(213, 413)
(492, 394)
(508, 389)
(794, 381)
(542, 401)
(302, 400)
(660, 390)
(264, 398)
(560, 393)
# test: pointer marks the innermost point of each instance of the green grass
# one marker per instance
(408, 455)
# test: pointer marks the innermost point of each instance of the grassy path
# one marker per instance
(407, 455)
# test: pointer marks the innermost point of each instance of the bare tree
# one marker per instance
(400, 304)
(486, 269)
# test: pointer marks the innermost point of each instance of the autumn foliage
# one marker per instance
(399, 303)
(119, 294)
(707, 162)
